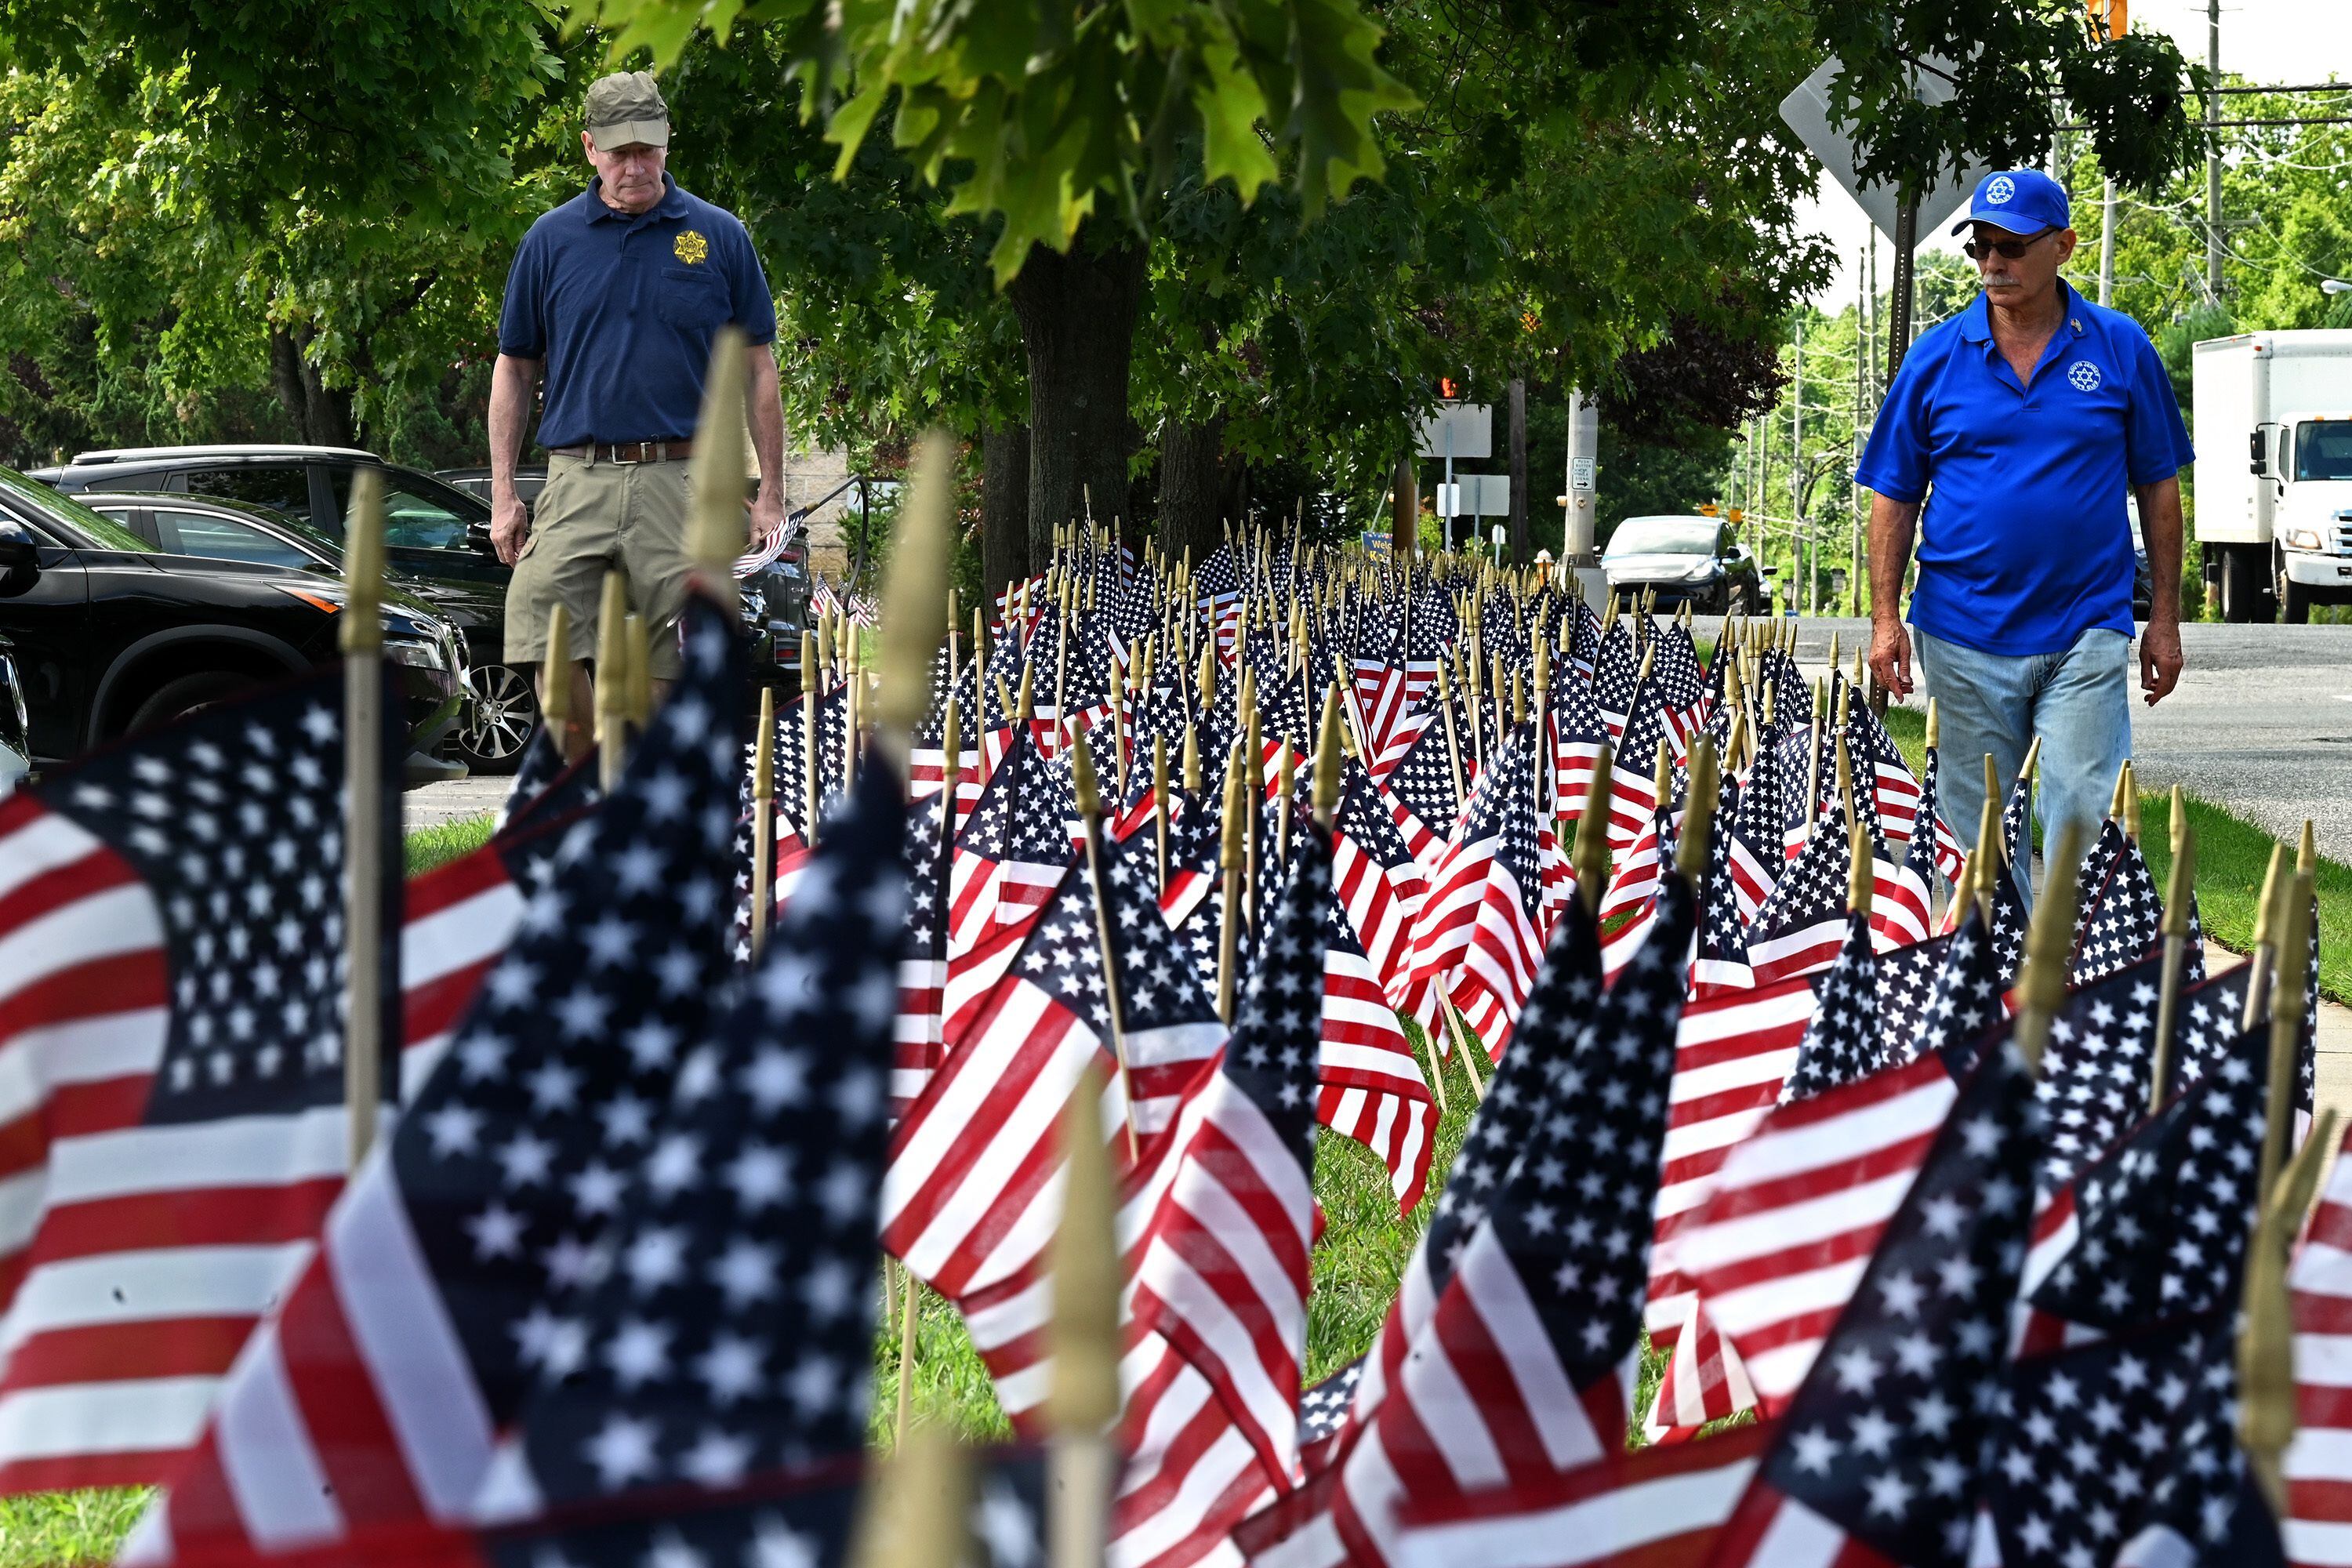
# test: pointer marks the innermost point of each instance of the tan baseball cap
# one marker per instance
(626, 110)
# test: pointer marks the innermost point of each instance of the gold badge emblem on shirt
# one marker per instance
(690, 246)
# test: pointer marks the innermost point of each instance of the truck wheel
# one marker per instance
(2295, 600)
(2244, 598)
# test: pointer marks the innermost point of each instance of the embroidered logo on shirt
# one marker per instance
(2001, 190)
(2085, 375)
(690, 246)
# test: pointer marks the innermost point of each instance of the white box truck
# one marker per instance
(2275, 470)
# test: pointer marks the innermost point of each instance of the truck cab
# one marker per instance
(2306, 462)
(2273, 482)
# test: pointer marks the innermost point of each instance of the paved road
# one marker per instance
(2262, 722)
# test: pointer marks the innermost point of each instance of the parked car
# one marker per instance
(529, 479)
(1683, 558)
(112, 634)
(496, 719)
(16, 745)
(436, 533)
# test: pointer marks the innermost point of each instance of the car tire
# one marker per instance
(187, 694)
(2294, 601)
(501, 712)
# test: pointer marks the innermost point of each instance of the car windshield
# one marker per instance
(2322, 449)
(103, 533)
(1663, 536)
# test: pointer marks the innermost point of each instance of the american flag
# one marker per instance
(544, 784)
(1800, 927)
(927, 771)
(1584, 640)
(972, 1194)
(1424, 779)
(1720, 963)
(1481, 932)
(2095, 1075)
(1525, 1367)
(1651, 1508)
(376, 1392)
(2318, 1465)
(1880, 771)
(2125, 1451)
(1562, 1003)
(726, 1326)
(2121, 911)
(1577, 735)
(1215, 1232)
(1012, 850)
(1616, 665)
(919, 1035)
(1876, 1459)
(1759, 844)
(1632, 783)
(171, 992)
(1943, 847)
(455, 920)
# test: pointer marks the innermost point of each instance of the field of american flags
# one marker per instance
(1633, 1086)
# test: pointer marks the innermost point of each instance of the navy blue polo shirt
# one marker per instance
(2025, 543)
(623, 308)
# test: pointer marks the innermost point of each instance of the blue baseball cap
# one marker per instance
(2021, 201)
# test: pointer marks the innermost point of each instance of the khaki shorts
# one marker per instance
(592, 517)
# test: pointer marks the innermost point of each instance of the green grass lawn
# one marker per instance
(2232, 855)
(46, 1527)
(431, 847)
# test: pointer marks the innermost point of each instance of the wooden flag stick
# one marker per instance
(810, 783)
(1235, 824)
(556, 670)
(1159, 806)
(611, 681)
(2175, 953)
(361, 636)
(2264, 953)
(1089, 793)
(2292, 921)
(2049, 942)
(1083, 1342)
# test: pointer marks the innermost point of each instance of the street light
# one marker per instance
(2335, 286)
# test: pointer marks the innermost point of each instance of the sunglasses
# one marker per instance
(2012, 250)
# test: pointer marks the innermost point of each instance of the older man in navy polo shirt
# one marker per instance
(618, 295)
(2022, 423)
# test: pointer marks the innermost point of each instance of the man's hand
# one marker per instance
(1890, 657)
(510, 526)
(767, 515)
(2159, 661)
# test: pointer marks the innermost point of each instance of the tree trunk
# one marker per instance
(1191, 488)
(321, 415)
(1404, 510)
(1003, 507)
(1077, 324)
(1521, 552)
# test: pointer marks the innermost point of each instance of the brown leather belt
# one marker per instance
(629, 451)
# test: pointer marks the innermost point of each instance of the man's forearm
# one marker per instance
(511, 381)
(1893, 524)
(2161, 528)
(766, 410)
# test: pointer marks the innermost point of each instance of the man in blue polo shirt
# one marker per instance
(617, 294)
(2022, 423)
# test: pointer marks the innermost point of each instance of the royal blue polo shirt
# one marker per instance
(2025, 543)
(621, 310)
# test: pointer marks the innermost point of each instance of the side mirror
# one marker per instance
(2258, 447)
(20, 561)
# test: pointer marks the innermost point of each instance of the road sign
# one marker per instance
(1475, 495)
(1376, 544)
(1580, 474)
(1472, 426)
(1807, 111)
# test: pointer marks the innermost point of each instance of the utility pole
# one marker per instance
(2213, 155)
(1860, 395)
(2107, 244)
(1797, 466)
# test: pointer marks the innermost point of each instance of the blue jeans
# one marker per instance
(2078, 701)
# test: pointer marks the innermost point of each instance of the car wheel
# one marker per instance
(188, 694)
(501, 710)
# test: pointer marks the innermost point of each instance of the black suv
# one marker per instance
(437, 533)
(111, 633)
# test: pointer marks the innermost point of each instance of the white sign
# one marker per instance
(1475, 495)
(1472, 426)
(1807, 111)
(1580, 473)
